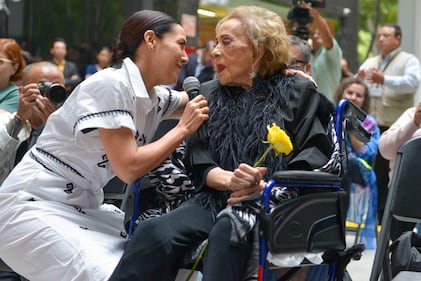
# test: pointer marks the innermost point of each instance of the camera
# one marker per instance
(300, 17)
(313, 3)
(56, 93)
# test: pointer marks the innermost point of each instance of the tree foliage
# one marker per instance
(93, 22)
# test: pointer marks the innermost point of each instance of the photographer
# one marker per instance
(327, 54)
(20, 130)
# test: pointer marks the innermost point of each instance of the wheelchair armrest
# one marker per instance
(300, 179)
(305, 177)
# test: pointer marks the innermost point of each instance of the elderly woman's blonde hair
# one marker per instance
(263, 28)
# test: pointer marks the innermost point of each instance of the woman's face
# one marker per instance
(104, 58)
(171, 54)
(7, 69)
(233, 55)
(355, 93)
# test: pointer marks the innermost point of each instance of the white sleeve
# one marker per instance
(108, 105)
(409, 81)
(170, 100)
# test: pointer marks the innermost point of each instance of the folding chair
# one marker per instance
(403, 203)
(313, 222)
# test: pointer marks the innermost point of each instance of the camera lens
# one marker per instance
(57, 94)
(54, 92)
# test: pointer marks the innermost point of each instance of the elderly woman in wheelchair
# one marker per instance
(253, 91)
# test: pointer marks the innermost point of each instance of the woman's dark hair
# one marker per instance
(131, 34)
(349, 81)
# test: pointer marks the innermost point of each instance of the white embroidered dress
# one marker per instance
(52, 223)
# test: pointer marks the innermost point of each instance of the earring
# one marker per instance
(252, 73)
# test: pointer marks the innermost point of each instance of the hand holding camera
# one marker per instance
(300, 16)
(42, 98)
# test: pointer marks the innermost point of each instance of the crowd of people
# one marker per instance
(58, 151)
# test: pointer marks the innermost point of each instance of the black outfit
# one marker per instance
(189, 69)
(236, 127)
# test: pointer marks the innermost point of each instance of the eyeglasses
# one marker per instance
(4, 60)
(297, 64)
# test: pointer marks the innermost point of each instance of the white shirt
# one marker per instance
(402, 84)
(9, 145)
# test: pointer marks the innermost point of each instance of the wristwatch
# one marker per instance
(14, 126)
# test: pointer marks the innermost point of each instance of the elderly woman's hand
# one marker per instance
(246, 182)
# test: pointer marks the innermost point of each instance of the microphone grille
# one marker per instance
(191, 83)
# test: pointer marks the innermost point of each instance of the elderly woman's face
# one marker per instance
(233, 55)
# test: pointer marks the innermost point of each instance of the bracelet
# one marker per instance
(14, 126)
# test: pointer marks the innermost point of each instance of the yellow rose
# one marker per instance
(279, 140)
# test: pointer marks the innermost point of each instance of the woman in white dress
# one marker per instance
(53, 225)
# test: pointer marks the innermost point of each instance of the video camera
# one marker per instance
(56, 93)
(300, 17)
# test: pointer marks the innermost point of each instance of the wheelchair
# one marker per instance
(314, 222)
(295, 226)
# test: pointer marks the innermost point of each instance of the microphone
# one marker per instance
(191, 86)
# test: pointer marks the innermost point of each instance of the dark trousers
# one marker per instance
(9, 276)
(6, 273)
(381, 168)
(226, 260)
(158, 245)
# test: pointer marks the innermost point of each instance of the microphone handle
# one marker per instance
(202, 132)
(193, 93)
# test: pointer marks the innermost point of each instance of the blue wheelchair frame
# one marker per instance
(327, 233)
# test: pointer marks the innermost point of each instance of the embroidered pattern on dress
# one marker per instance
(170, 100)
(69, 188)
(39, 161)
(103, 163)
(52, 157)
(101, 114)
